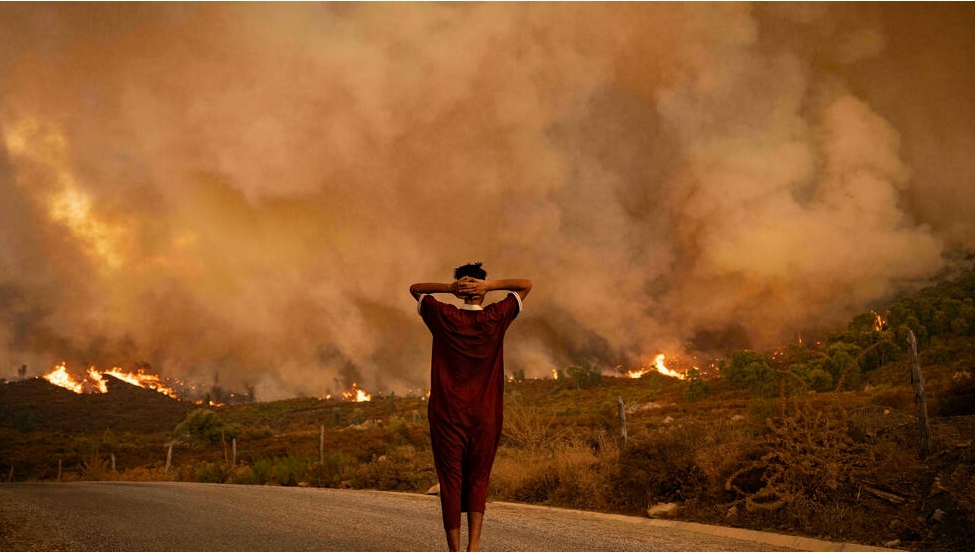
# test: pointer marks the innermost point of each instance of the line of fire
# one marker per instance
(92, 381)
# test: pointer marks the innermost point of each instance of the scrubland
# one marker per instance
(821, 441)
(839, 466)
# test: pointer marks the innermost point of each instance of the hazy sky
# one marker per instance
(249, 189)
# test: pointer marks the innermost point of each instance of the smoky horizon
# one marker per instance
(246, 191)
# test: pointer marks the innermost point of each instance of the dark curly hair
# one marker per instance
(470, 270)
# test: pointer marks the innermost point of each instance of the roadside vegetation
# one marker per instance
(819, 439)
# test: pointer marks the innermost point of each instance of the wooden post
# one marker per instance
(321, 444)
(223, 439)
(10, 477)
(113, 463)
(920, 397)
(59, 469)
(622, 409)
(233, 442)
(781, 379)
(169, 457)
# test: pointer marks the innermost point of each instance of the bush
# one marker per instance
(809, 456)
(401, 468)
(747, 370)
(207, 425)
(657, 469)
(216, 472)
(94, 467)
(697, 388)
(289, 470)
(571, 474)
(260, 472)
(336, 469)
(584, 375)
(525, 427)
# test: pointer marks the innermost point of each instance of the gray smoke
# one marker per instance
(247, 190)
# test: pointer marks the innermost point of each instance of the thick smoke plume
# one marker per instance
(247, 190)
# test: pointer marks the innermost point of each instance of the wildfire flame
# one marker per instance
(879, 323)
(658, 365)
(139, 379)
(62, 378)
(95, 381)
(637, 373)
(357, 394)
(96, 377)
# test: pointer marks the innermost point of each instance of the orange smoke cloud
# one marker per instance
(246, 190)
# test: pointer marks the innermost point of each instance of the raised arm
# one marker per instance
(416, 289)
(478, 287)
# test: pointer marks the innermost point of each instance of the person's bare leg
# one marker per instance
(475, 520)
(453, 540)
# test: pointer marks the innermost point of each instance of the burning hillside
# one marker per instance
(38, 404)
(95, 382)
(659, 367)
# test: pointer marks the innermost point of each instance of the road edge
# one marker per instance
(780, 540)
(772, 539)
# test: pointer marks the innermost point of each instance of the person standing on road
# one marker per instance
(466, 403)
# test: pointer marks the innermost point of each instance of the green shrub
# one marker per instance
(289, 470)
(205, 424)
(584, 375)
(216, 472)
(260, 472)
(336, 469)
(747, 370)
(697, 388)
(842, 363)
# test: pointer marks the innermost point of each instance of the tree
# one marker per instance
(206, 424)
(813, 374)
(585, 375)
(842, 364)
(747, 370)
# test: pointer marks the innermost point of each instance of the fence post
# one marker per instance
(59, 469)
(233, 443)
(113, 463)
(622, 409)
(321, 444)
(169, 457)
(920, 397)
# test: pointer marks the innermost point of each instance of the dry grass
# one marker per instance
(806, 465)
(838, 467)
(570, 473)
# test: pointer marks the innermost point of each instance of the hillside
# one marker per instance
(37, 404)
(46, 430)
(839, 466)
(819, 441)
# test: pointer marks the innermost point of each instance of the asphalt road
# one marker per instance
(195, 517)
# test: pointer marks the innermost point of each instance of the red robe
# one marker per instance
(466, 405)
